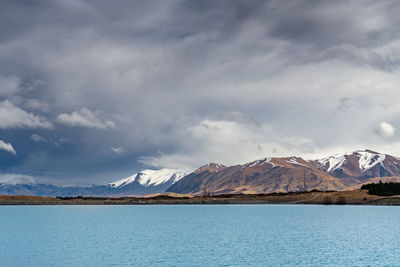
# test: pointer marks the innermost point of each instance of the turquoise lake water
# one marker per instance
(199, 235)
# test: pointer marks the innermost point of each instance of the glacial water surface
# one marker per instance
(199, 235)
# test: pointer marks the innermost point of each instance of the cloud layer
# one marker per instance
(182, 83)
(7, 147)
(15, 117)
(84, 118)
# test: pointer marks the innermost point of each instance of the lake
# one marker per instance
(199, 235)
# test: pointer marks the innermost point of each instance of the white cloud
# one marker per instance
(84, 118)
(386, 129)
(7, 147)
(118, 150)
(14, 117)
(230, 142)
(14, 178)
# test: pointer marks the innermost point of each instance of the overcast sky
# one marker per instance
(92, 91)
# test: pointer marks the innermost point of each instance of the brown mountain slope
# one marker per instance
(261, 176)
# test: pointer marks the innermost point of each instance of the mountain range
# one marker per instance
(271, 174)
(139, 184)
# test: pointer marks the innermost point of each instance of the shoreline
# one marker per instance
(356, 197)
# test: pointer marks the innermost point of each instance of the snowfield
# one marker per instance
(152, 177)
(367, 160)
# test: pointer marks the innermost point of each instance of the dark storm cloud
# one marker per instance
(113, 85)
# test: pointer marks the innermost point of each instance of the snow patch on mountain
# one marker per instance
(216, 165)
(258, 162)
(367, 160)
(294, 161)
(211, 167)
(335, 162)
(152, 177)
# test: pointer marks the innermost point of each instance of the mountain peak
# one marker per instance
(258, 162)
(152, 177)
(211, 167)
(350, 163)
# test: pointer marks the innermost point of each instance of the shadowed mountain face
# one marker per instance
(337, 172)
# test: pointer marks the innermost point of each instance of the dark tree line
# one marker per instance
(382, 189)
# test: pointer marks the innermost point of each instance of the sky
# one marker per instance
(93, 91)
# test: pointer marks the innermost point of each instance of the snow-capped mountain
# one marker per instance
(367, 160)
(150, 179)
(141, 183)
(360, 164)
